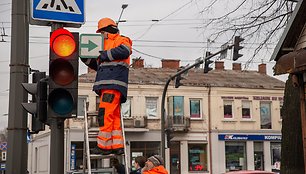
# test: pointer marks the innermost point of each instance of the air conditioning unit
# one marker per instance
(139, 123)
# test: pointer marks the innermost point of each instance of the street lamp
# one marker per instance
(123, 7)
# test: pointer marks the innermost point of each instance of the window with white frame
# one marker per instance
(151, 107)
(126, 108)
(246, 109)
(195, 108)
(81, 106)
(228, 108)
(281, 103)
(265, 115)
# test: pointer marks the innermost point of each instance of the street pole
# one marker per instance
(57, 137)
(17, 156)
(163, 110)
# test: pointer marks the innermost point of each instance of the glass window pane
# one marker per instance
(235, 156)
(265, 115)
(178, 105)
(258, 156)
(126, 108)
(195, 111)
(246, 109)
(81, 104)
(228, 110)
(197, 157)
(151, 107)
(275, 156)
(97, 102)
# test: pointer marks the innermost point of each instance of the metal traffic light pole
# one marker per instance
(163, 131)
(17, 156)
(57, 137)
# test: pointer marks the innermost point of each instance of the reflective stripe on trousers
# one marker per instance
(110, 133)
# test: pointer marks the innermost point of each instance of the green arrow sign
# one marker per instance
(90, 45)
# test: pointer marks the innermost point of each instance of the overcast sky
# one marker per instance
(177, 35)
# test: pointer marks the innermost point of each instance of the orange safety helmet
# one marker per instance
(104, 22)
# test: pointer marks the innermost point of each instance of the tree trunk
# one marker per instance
(292, 161)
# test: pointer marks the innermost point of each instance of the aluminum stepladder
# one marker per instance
(87, 156)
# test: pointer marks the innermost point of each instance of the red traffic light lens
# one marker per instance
(62, 42)
(61, 72)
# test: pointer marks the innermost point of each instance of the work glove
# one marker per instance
(103, 57)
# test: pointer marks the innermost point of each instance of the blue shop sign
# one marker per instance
(241, 137)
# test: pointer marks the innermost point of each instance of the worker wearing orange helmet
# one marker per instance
(111, 83)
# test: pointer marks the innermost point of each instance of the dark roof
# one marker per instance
(196, 77)
(292, 31)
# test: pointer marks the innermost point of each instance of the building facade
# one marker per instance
(221, 121)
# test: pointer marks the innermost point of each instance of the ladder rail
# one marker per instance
(87, 139)
(124, 142)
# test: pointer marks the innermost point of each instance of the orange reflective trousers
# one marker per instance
(110, 132)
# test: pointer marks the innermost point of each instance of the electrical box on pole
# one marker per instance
(63, 72)
(38, 106)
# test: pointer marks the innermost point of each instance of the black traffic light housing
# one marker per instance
(63, 73)
(207, 62)
(178, 81)
(38, 105)
(237, 47)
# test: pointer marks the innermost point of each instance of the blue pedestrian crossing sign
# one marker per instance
(65, 11)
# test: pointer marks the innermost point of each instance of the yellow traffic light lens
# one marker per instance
(63, 45)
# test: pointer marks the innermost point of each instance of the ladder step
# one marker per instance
(97, 156)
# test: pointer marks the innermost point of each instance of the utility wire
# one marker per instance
(163, 19)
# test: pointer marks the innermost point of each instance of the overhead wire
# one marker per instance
(163, 19)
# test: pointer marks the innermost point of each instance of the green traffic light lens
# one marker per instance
(61, 72)
(61, 101)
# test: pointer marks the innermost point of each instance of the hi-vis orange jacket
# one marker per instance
(157, 170)
(113, 65)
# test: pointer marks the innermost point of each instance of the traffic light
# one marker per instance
(178, 81)
(170, 136)
(38, 105)
(207, 62)
(237, 47)
(63, 74)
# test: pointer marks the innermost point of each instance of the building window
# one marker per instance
(81, 106)
(144, 148)
(235, 156)
(197, 157)
(228, 108)
(246, 109)
(265, 115)
(275, 156)
(151, 107)
(281, 103)
(97, 102)
(258, 156)
(126, 108)
(195, 108)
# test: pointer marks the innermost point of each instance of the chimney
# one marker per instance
(170, 63)
(262, 69)
(219, 65)
(137, 63)
(237, 66)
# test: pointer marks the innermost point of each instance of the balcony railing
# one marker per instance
(178, 123)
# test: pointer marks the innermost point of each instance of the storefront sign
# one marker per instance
(239, 137)
(254, 98)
